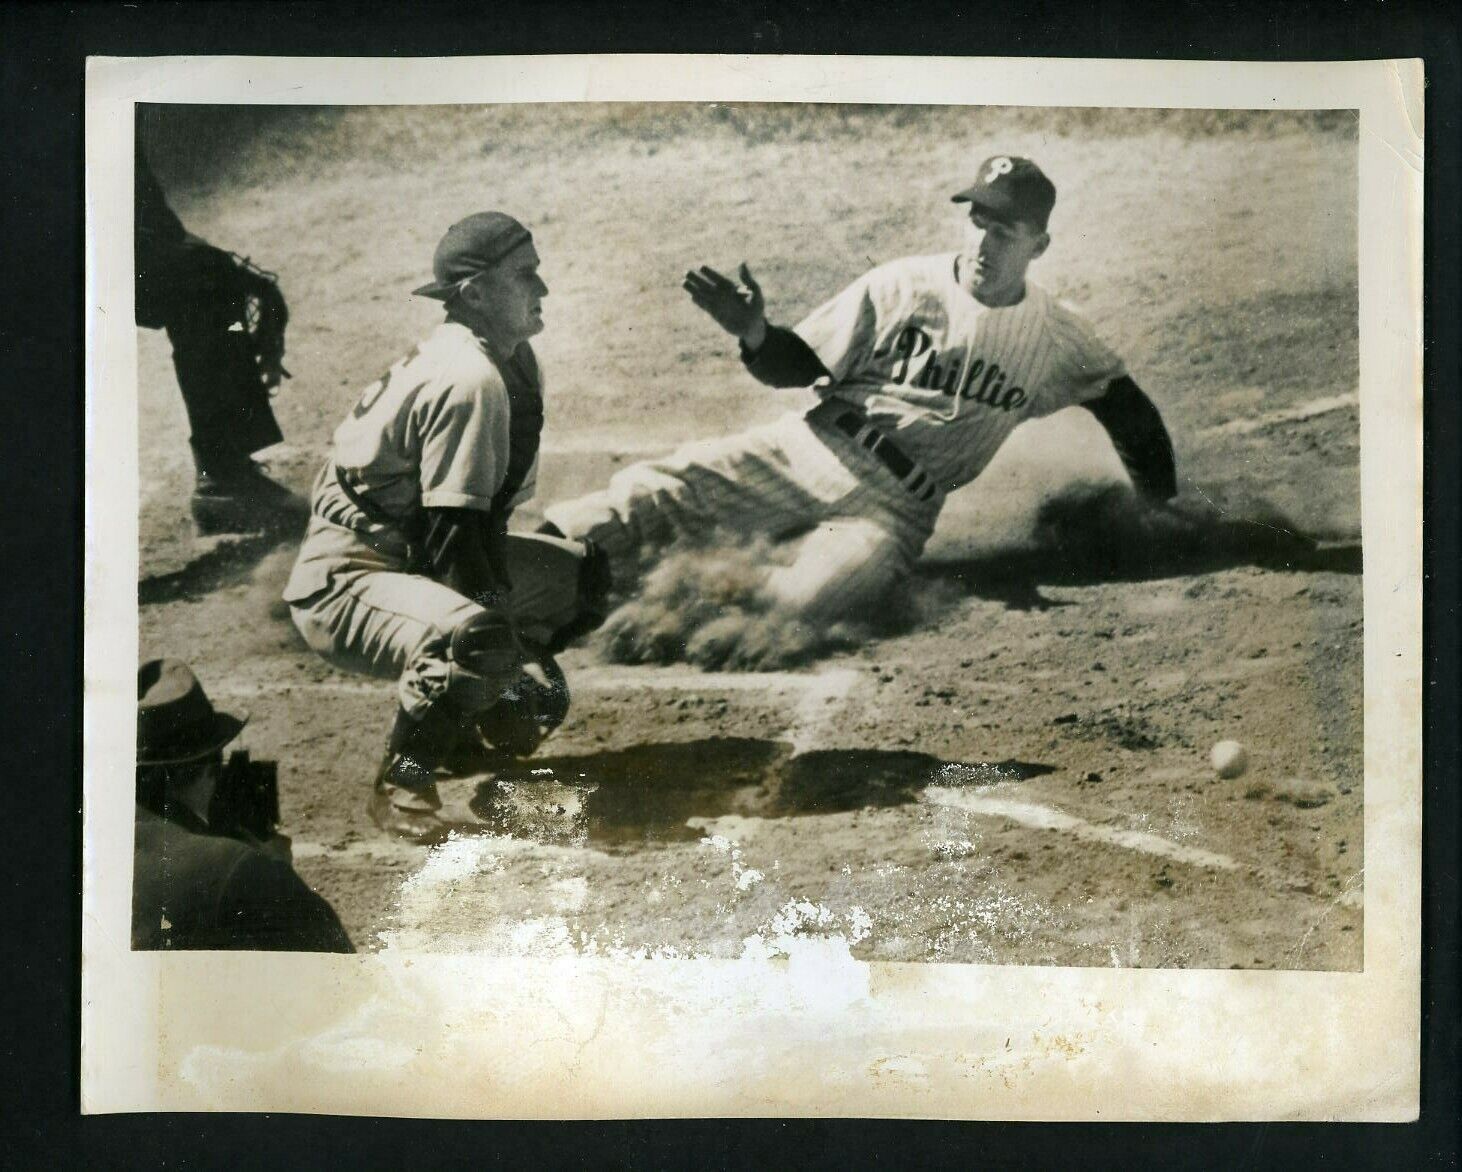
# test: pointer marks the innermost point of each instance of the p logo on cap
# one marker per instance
(998, 167)
(1012, 189)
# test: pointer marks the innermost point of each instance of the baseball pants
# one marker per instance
(386, 624)
(860, 531)
(193, 293)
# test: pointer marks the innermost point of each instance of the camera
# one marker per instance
(246, 799)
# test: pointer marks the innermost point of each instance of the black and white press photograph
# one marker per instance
(738, 531)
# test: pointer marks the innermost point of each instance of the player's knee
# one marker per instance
(851, 586)
(483, 659)
(569, 588)
(591, 603)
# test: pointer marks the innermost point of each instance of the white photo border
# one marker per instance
(458, 1036)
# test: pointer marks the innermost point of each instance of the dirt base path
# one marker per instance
(1018, 774)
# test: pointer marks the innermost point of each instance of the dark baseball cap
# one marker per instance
(1011, 188)
(469, 248)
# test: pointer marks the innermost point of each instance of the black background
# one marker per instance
(42, 53)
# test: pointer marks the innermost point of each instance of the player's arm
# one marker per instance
(783, 360)
(1137, 432)
(454, 546)
(463, 462)
(775, 356)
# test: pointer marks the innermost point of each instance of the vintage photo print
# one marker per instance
(762, 586)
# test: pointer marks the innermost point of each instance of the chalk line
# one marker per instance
(596, 444)
(814, 687)
(819, 698)
(1290, 415)
(368, 850)
(1040, 817)
(241, 691)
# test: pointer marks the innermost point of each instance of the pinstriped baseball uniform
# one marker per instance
(911, 354)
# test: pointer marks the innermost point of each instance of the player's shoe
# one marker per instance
(246, 501)
(404, 799)
(413, 815)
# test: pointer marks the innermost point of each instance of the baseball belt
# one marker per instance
(855, 425)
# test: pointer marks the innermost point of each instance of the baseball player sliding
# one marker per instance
(407, 568)
(923, 367)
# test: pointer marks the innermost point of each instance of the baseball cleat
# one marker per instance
(413, 815)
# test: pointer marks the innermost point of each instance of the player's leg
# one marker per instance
(452, 658)
(560, 591)
(743, 483)
(229, 413)
(560, 588)
(845, 568)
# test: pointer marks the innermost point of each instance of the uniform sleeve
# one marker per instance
(1087, 363)
(842, 332)
(462, 435)
(1136, 429)
(783, 360)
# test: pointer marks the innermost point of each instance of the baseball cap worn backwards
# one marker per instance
(469, 248)
(1011, 189)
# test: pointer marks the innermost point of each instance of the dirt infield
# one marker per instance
(1015, 769)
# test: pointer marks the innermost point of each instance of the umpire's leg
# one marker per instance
(229, 413)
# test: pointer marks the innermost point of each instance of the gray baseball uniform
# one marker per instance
(434, 432)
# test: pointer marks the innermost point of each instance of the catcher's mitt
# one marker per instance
(265, 315)
(536, 704)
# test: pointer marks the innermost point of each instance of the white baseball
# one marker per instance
(1228, 758)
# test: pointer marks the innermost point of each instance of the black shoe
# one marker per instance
(404, 800)
(245, 501)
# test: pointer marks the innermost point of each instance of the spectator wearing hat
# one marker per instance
(207, 871)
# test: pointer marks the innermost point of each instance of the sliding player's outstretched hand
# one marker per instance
(740, 310)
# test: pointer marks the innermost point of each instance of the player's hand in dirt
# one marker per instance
(740, 310)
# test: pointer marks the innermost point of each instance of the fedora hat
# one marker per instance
(176, 722)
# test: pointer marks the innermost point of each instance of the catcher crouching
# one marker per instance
(407, 568)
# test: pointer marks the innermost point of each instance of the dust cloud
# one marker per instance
(706, 604)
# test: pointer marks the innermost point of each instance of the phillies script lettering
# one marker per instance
(983, 382)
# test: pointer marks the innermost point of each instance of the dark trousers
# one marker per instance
(192, 291)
